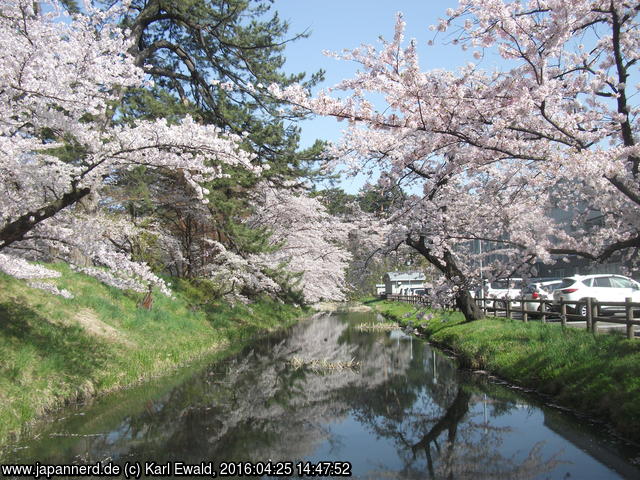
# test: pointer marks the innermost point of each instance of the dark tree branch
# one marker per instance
(15, 231)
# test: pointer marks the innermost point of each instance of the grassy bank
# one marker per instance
(597, 375)
(55, 350)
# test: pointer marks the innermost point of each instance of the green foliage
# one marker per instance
(71, 5)
(190, 48)
(371, 199)
(153, 103)
(337, 201)
(376, 199)
(56, 350)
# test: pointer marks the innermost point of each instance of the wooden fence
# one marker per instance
(415, 300)
(546, 311)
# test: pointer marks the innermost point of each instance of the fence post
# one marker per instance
(563, 312)
(525, 315)
(629, 314)
(508, 307)
(594, 315)
(589, 314)
(484, 305)
(543, 309)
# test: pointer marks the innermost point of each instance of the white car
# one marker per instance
(500, 290)
(603, 287)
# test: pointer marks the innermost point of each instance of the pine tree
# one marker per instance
(212, 59)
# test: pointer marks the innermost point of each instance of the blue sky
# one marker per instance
(340, 24)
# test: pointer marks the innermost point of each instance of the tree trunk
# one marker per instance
(468, 306)
(447, 265)
(147, 301)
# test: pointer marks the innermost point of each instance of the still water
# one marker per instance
(400, 410)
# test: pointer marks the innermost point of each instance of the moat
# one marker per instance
(326, 390)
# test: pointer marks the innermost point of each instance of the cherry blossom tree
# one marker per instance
(60, 83)
(212, 59)
(494, 153)
(306, 240)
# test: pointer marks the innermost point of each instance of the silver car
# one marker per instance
(539, 289)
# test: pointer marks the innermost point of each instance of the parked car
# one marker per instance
(604, 288)
(500, 290)
(539, 289)
(421, 291)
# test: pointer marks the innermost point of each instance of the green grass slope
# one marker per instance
(55, 350)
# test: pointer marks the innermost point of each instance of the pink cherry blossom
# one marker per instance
(60, 78)
(537, 157)
(311, 242)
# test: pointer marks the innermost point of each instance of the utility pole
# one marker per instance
(480, 253)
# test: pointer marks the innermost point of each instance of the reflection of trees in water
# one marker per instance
(448, 444)
(423, 409)
(254, 404)
(257, 407)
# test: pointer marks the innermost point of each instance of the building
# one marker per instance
(380, 288)
(403, 283)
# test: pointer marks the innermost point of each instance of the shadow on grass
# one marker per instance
(372, 301)
(442, 327)
(69, 351)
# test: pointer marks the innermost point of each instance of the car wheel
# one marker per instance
(537, 315)
(581, 309)
(500, 304)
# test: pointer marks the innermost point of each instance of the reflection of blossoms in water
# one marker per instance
(258, 406)
(451, 444)
(277, 411)
(293, 405)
